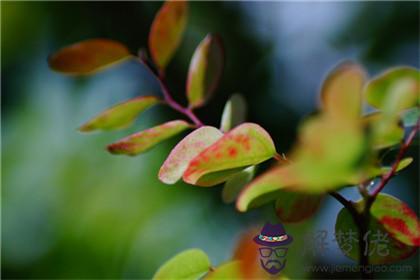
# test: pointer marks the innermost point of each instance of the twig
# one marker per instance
(385, 178)
(168, 97)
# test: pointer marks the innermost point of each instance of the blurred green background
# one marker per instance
(71, 210)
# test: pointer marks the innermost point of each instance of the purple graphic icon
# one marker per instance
(273, 250)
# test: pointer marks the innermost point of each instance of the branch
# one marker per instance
(168, 97)
(347, 204)
(385, 178)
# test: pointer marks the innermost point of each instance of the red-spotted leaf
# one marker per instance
(401, 83)
(247, 144)
(187, 149)
(397, 218)
(205, 71)
(234, 185)
(341, 92)
(88, 56)
(166, 31)
(233, 113)
(121, 115)
(142, 141)
(383, 247)
(294, 207)
(191, 264)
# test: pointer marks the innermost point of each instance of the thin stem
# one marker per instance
(362, 222)
(347, 204)
(404, 147)
(168, 97)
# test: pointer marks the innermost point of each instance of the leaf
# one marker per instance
(121, 115)
(235, 184)
(233, 113)
(247, 144)
(247, 253)
(88, 56)
(385, 130)
(229, 270)
(341, 93)
(404, 163)
(411, 117)
(166, 31)
(329, 153)
(205, 71)
(397, 218)
(189, 264)
(294, 207)
(142, 141)
(386, 250)
(381, 88)
(187, 149)
(265, 188)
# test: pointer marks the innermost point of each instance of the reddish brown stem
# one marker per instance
(385, 178)
(168, 97)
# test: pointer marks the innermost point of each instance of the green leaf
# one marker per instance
(404, 163)
(166, 31)
(233, 113)
(384, 248)
(399, 83)
(121, 115)
(190, 264)
(235, 184)
(329, 153)
(341, 93)
(142, 141)
(247, 144)
(397, 218)
(88, 57)
(294, 207)
(205, 71)
(265, 188)
(215, 178)
(187, 149)
(385, 130)
(229, 270)
(411, 117)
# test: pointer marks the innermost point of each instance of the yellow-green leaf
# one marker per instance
(247, 144)
(233, 113)
(205, 71)
(187, 149)
(341, 93)
(330, 151)
(229, 270)
(384, 88)
(142, 141)
(166, 31)
(385, 130)
(265, 188)
(88, 56)
(234, 185)
(191, 264)
(404, 163)
(121, 115)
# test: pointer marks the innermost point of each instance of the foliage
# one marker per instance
(337, 147)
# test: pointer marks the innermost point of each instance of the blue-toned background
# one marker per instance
(71, 210)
